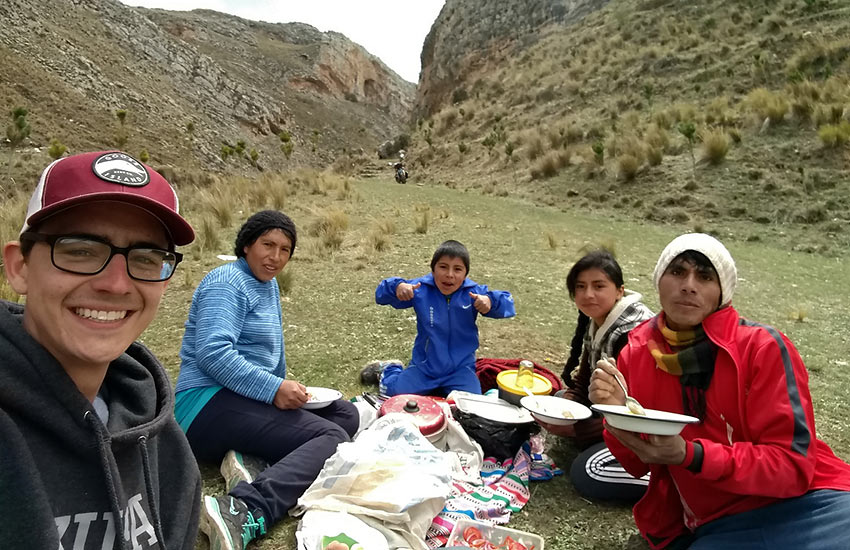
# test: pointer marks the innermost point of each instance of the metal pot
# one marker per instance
(426, 413)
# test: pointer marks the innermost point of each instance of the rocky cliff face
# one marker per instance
(73, 64)
(468, 32)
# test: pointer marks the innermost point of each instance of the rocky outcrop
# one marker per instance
(467, 33)
(73, 64)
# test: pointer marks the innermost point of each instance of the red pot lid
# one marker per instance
(424, 411)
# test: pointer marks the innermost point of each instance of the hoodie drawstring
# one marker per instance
(146, 467)
(107, 473)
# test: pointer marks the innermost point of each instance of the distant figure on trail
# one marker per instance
(90, 454)
(234, 399)
(752, 473)
(607, 312)
(447, 304)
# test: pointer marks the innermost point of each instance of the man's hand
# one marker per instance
(657, 449)
(481, 302)
(603, 389)
(404, 291)
(290, 395)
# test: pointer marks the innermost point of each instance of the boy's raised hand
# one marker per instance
(404, 291)
(481, 302)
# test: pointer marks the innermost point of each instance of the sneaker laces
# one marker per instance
(250, 526)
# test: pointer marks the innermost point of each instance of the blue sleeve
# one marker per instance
(501, 302)
(221, 315)
(385, 293)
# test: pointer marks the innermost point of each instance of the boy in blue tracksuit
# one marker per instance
(447, 305)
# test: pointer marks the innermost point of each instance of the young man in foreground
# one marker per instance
(91, 456)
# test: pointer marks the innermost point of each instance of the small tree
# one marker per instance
(688, 130)
(17, 132)
(144, 156)
(286, 144)
(598, 149)
(121, 137)
(56, 149)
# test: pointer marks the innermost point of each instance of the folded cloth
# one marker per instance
(487, 369)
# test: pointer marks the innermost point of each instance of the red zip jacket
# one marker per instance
(758, 434)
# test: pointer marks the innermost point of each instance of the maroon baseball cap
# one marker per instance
(107, 176)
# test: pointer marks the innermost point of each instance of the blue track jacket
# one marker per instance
(446, 333)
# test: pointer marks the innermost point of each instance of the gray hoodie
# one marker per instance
(65, 477)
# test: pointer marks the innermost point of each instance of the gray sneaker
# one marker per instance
(229, 524)
(370, 374)
(238, 467)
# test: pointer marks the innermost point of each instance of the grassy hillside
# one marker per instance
(352, 233)
(595, 117)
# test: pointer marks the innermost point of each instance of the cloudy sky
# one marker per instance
(390, 29)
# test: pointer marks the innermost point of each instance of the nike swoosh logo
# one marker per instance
(466, 306)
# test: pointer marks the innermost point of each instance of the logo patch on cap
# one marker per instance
(120, 168)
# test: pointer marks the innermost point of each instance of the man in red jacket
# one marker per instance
(752, 474)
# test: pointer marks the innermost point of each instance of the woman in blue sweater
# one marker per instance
(233, 394)
(447, 304)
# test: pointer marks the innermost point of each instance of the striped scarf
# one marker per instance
(691, 358)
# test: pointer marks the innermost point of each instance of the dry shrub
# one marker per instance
(447, 119)
(767, 104)
(285, 281)
(206, 235)
(718, 112)
(715, 145)
(533, 147)
(551, 240)
(657, 137)
(627, 167)
(835, 135)
(423, 222)
(330, 227)
(683, 112)
(663, 119)
(654, 155)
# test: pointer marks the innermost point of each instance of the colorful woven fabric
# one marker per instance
(504, 491)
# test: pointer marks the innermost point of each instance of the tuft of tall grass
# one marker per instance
(207, 235)
(627, 167)
(551, 240)
(219, 202)
(422, 222)
(285, 281)
(768, 105)
(835, 135)
(533, 147)
(715, 145)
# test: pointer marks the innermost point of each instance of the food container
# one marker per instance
(495, 534)
(512, 393)
(425, 412)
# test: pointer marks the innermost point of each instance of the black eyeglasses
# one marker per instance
(85, 255)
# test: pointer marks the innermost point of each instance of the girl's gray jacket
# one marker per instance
(67, 480)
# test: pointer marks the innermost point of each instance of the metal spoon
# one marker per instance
(632, 404)
(537, 404)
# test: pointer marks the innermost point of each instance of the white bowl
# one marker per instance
(320, 397)
(655, 422)
(555, 410)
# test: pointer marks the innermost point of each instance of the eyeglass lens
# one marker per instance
(87, 257)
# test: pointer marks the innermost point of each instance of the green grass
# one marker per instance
(333, 326)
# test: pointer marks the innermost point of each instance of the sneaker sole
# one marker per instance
(215, 526)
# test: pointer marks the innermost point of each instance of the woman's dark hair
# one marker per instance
(598, 259)
(452, 249)
(261, 223)
(605, 262)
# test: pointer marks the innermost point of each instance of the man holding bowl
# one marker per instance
(751, 473)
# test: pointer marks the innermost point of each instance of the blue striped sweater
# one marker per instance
(234, 335)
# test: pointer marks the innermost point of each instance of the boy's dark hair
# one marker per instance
(452, 249)
(598, 259)
(261, 223)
